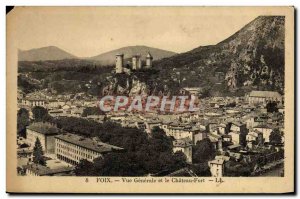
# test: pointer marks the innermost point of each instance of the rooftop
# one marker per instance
(264, 94)
(184, 172)
(265, 126)
(184, 142)
(43, 170)
(217, 161)
(149, 55)
(237, 123)
(233, 146)
(88, 143)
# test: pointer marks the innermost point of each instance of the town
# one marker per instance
(68, 134)
(136, 103)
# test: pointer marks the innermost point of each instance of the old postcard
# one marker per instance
(150, 100)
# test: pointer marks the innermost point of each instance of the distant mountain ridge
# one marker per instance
(108, 58)
(51, 53)
(44, 53)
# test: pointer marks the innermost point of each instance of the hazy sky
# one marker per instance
(94, 30)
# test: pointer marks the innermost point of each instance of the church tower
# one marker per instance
(119, 63)
(149, 59)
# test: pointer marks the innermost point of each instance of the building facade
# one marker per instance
(33, 102)
(264, 97)
(216, 167)
(185, 146)
(40, 170)
(72, 148)
(179, 132)
(45, 132)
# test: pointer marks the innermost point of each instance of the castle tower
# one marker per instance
(134, 63)
(119, 63)
(139, 62)
(149, 59)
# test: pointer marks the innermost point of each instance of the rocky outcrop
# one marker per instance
(251, 58)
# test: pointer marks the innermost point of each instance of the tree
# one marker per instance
(275, 137)
(237, 169)
(201, 169)
(203, 151)
(119, 164)
(22, 121)
(179, 160)
(40, 114)
(84, 168)
(24, 145)
(25, 85)
(38, 154)
(231, 104)
(272, 107)
(205, 93)
(91, 111)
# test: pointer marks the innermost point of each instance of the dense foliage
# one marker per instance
(92, 111)
(62, 76)
(272, 107)
(275, 137)
(26, 85)
(237, 168)
(40, 114)
(203, 151)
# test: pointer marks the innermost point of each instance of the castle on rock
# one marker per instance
(135, 64)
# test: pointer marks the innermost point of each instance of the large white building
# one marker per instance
(182, 131)
(184, 145)
(31, 102)
(72, 148)
(45, 132)
(264, 97)
(265, 129)
(217, 166)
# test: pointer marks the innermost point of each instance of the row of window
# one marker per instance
(178, 131)
(68, 160)
(74, 151)
(75, 156)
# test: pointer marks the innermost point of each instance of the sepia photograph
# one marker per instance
(150, 99)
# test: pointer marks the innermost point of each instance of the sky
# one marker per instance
(89, 31)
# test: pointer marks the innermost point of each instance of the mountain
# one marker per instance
(108, 58)
(44, 53)
(252, 58)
